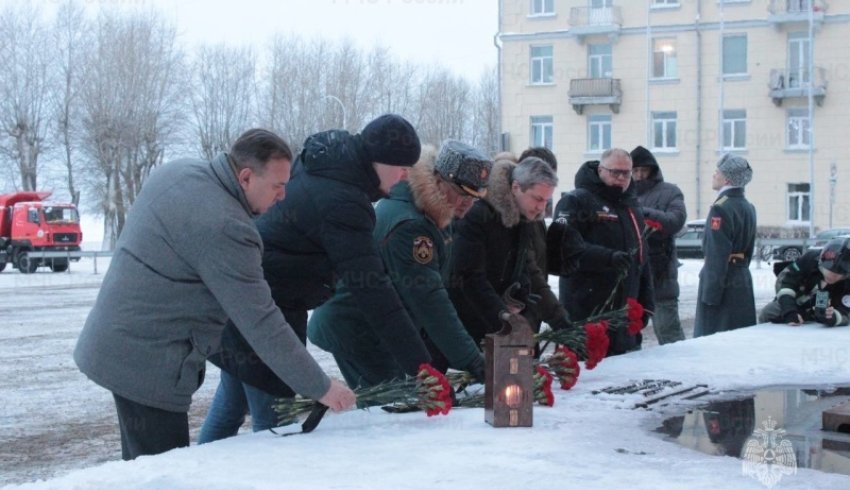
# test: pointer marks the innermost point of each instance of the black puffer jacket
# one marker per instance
(590, 224)
(662, 202)
(322, 233)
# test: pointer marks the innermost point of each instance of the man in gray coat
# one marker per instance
(188, 259)
(663, 203)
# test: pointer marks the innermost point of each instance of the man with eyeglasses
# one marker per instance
(596, 244)
(413, 236)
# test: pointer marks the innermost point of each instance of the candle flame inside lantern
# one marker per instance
(513, 395)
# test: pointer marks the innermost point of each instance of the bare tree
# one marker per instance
(132, 103)
(25, 89)
(70, 33)
(443, 106)
(222, 96)
(485, 117)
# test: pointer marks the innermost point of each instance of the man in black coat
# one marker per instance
(321, 234)
(663, 203)
(596, 245)
(725, 299)
(493, 249)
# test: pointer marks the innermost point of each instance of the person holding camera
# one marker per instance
(814, 287)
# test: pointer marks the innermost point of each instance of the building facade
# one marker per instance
(690, 80)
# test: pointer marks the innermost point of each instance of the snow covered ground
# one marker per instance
(54, 421)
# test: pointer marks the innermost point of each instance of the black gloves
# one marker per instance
(476, 369)
(621, 260)
(790, 316)
(561, 323)
(820, 317)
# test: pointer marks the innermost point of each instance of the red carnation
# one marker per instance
(635, 315)
(653, 225)
(434, 390)
(597, 342)
(543, 387)
(564, 365)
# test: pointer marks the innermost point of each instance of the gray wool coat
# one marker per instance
(188, 258)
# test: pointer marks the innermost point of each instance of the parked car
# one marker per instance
(787, 252)
(689, 243)
(826, 235)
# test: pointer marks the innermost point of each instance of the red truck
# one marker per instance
(36, 233)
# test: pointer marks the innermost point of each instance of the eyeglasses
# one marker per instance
(465, 191)
(618, 174)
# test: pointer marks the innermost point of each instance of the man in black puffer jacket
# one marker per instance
(321, 235)
(596, 245)
(663, 203)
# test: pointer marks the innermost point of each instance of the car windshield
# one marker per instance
(61, 214)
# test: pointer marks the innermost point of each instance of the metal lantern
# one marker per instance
(509, 382)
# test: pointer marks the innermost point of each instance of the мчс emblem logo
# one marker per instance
(423, 249)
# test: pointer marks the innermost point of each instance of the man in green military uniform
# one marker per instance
(725, 299)
(413, 235)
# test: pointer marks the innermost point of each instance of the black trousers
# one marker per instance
(148, 430)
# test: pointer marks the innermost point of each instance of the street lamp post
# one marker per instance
(341, 105)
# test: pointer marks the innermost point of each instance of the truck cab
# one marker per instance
(36, 233)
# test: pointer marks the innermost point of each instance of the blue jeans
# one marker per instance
(233, 399)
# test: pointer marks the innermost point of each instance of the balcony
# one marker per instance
(587, 21)
(595, 91)
(785, 84)
(781, 12)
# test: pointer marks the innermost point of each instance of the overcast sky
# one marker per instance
(455, 33)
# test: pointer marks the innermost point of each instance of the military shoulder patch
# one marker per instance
(716, 222)
(423, 249)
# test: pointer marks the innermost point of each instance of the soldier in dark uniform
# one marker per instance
(725, 299)
(814, 287)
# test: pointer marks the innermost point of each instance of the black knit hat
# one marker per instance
(391, 140)
(641, 157)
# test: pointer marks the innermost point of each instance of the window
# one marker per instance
(601, 12)
(798, 6)
(542, 7)
(664, 130)
(798, 59)
(541, 64)
(599, 60)
(541, 131)
(735, 54)
(798, 203)
(664, 58)
(598, 132)
(799, 128)
(665, 3)
(735, 129)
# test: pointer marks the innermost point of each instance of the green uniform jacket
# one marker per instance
(416, 254)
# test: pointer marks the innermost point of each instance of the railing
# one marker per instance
(70, 255)
(595, 87)
(795, 7)
(589, 16)
(795, 83)
(590, 91)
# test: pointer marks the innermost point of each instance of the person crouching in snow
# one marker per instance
(814, 287)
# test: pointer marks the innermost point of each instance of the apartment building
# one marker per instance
(690, 80)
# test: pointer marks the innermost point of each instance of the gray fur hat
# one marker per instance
(464, 166)
(736, 169)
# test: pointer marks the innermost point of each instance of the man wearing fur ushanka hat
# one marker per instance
(725, 300)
